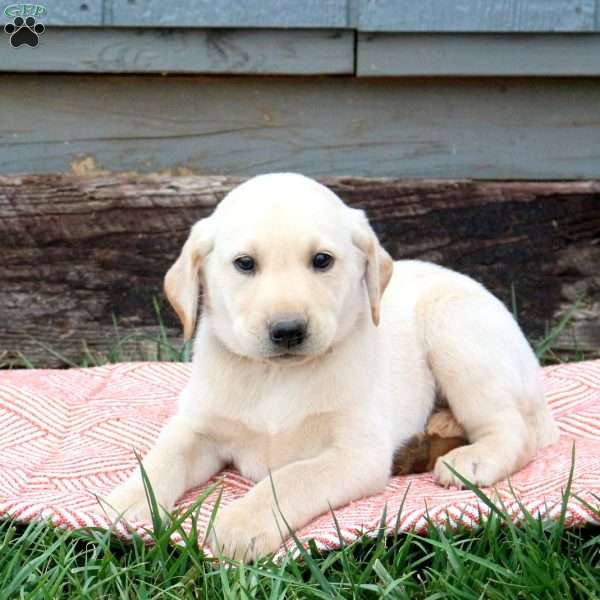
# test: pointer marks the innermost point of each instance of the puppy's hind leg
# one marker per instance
(490, 377)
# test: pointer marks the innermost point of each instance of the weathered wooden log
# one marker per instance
(76, 251)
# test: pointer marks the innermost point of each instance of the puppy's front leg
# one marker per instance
(180, 459)
(252, 526)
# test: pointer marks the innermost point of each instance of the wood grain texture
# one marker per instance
(498, 129)
(230, 13)
(306, 52)
(88, 50)
(564, 55)
(76, 250)
(477, 15)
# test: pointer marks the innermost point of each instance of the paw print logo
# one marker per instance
(24, 31)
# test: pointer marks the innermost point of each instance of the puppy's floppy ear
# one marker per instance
(182, 281)
(379, 265)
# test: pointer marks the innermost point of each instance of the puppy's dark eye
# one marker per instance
(245, 264)
(322, 261)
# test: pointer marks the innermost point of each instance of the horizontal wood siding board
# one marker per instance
(241, 51)
(78, 250)
(389, 54)
(477, 15)
(365, 15)
(497, 129)
(76, 13)
(305, 52)
(230, 13)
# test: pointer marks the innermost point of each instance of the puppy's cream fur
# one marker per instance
(324, 423)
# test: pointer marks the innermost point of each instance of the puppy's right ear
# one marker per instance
(182, 281)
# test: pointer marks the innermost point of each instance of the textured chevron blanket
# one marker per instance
(67, 436)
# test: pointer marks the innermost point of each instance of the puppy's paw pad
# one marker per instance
(474, 467)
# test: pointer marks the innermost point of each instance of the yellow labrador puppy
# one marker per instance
(306, 373)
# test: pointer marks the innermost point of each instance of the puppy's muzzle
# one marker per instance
(288, 333)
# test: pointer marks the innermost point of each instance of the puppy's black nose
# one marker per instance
(288, 333)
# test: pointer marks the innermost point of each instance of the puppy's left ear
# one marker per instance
(182, 281)
(379, 265)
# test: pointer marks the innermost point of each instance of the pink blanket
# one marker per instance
(66, 436)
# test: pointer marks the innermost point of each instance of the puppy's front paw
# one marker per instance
(246, 532)
(129, 502)
(475, 466)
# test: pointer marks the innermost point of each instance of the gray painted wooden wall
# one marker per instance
(429, 88)
(498, 129)
(354, 37)
(363, 15)
(326, 37)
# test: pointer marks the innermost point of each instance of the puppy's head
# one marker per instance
(287, 269)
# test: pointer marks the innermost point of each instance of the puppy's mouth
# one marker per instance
(287, 358)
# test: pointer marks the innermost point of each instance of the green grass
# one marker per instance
(538, 559)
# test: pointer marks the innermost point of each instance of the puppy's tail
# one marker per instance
(420, 453)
